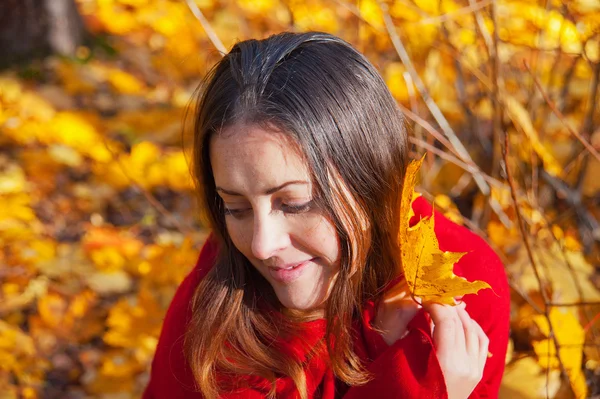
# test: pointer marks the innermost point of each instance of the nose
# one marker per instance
(269, 237)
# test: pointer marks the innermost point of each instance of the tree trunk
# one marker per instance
(35, 28)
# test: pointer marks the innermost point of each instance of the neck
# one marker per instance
(304, 315)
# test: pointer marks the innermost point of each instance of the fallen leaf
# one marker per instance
(570, 336)
(538, 386)
(107, 283)
(567, 271)
(35, 288)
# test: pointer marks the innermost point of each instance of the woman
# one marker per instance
(300, 153)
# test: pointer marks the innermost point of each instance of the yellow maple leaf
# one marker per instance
(428, 271)
(570, 336)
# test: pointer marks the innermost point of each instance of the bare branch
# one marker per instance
(207, 27)
(433, 107)
(574, 305)
(184, 229)
(471, 8)
(495, 98)
(573, 197)
(562, 118)
(525, 237)
(588, 123)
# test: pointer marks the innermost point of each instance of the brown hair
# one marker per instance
(335, 106)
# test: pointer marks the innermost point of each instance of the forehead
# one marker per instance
(252, 158)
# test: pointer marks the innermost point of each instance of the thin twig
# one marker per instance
(575, 278)
(495, 97)
(210, 32)
(534, 264)
(562, 118)
(184, 229)
(590, 324)
(515, 286)
(576, 304)
(461, 90)
(467, 165)
(433, 107)
(566, 83)
(574, 198)
(356, 12)
(588, 122)
(535, 176)
(481, 77)
(432, 131)
(531, 102)
(471, 8)
(480, 22)
(583, 345)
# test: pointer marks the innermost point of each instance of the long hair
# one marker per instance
(333, 104)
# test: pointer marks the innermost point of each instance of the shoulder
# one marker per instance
(480, 262)
(170, 375)
(180, 309)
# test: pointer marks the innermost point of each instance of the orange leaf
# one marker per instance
(428, 271)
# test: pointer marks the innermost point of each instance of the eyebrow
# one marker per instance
(267, 192)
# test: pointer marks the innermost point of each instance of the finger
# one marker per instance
(446, 324)
(460, 332)
(470, 333)
(484, 342)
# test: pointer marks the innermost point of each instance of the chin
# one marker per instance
(299, 303)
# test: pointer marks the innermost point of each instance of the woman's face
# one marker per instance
(270, 214)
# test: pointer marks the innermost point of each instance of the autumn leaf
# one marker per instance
(135, 323)
(540, 384)
(18, 355)
(428, 271)
(570, 336)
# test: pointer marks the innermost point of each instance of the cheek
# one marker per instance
(324, 238)
(239, 235)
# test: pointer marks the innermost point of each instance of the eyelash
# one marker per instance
(289, 209)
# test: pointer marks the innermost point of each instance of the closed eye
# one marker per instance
(236, 213)
(286, 208)
(296, 209)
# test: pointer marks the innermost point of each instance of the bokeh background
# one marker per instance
(98, 216)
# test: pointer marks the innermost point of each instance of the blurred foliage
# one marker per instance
(98, 223)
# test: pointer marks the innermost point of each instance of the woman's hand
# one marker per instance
(393, 315)
(461, 347)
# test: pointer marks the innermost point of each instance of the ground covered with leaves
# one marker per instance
(98, 219)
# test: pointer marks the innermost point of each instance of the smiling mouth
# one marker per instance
(289, 274)
(290, 267)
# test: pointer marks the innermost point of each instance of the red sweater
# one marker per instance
(407, 369)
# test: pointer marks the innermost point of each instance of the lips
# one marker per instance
(289, 273)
